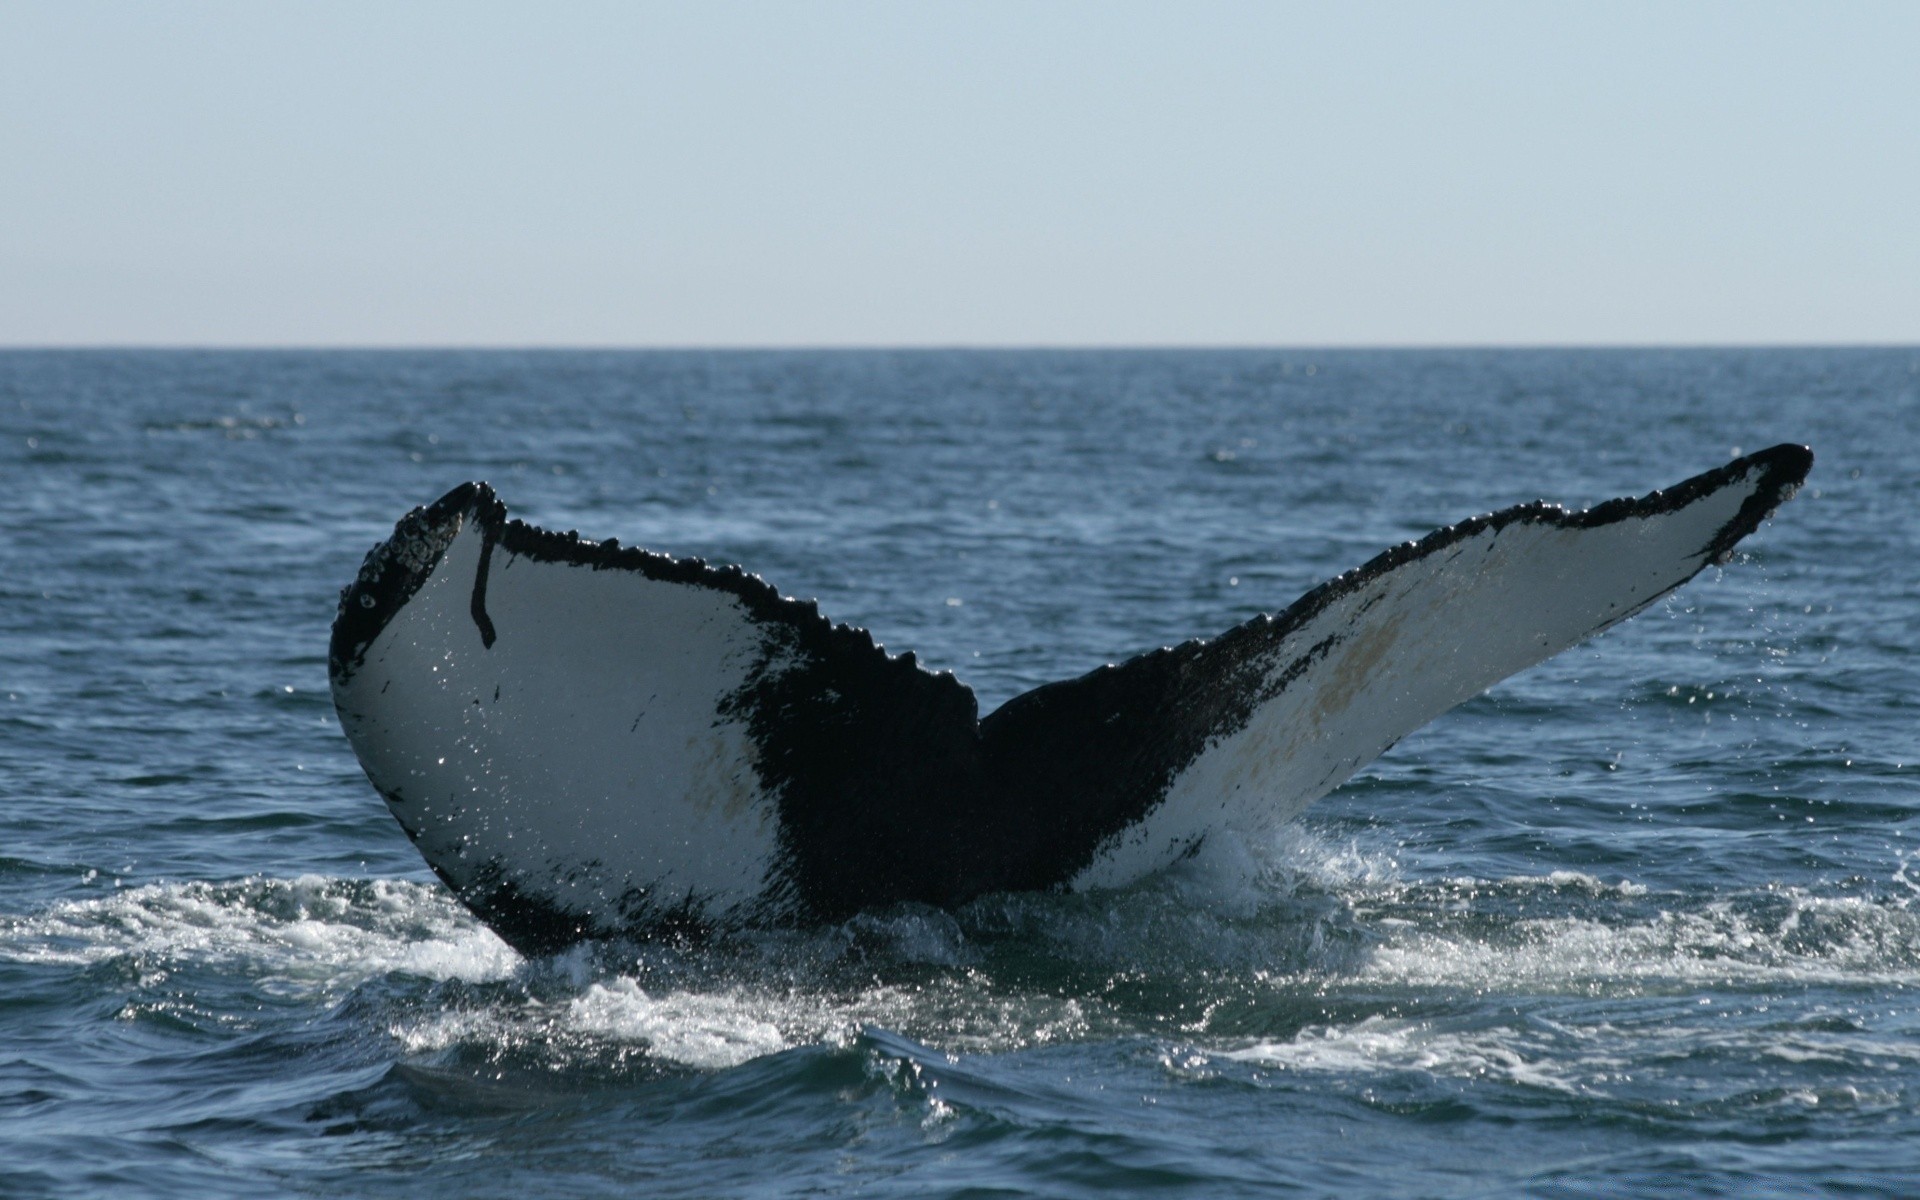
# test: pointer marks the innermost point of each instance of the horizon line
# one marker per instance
(775, 347)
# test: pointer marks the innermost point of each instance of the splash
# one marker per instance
(302, 934)
(1234, 951)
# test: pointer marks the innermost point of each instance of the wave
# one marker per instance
(310, 933)
(1636, 1061)
(1294, 951)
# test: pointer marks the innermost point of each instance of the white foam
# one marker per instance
(1381, 1043)
(1575, 881)
(705, 1031)
(300, 934)
(724, 1025)
(1847, 941)
(1290, 912)
(1600, 1059)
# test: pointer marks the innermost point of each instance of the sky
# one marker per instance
(1001, 174)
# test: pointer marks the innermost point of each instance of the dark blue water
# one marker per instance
(1640, 921)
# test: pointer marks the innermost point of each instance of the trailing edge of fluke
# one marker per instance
(589, 740)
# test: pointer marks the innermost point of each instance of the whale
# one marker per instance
(587, 740)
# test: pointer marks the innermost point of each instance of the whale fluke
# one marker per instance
(589, 740)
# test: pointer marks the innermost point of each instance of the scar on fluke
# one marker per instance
(595, 740)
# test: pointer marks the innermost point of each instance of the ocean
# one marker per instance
(1642, 921)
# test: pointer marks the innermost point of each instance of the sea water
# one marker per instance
(1640, 921)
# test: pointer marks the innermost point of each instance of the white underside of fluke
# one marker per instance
(1404, 647)
(584, 756)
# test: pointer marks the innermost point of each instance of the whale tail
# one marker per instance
(589, 740)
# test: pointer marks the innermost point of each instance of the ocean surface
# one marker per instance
(1642, 921)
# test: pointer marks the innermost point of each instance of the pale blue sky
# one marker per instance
(938, 174)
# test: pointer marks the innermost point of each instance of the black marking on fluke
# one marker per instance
(887, 784)
(478, 606)
(394, 570)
